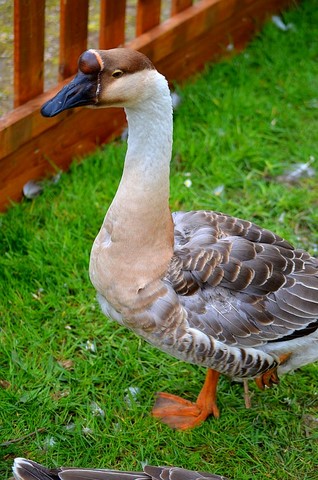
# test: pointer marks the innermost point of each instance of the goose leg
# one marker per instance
(180, 413)
(270, 378)
(247, 397)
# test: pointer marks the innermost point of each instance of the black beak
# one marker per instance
(82, 90)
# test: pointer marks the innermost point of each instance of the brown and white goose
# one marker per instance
(24, 469)
(205, 287)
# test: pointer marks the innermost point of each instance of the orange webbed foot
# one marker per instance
(182, 414)
(270, 378)
(176, 412)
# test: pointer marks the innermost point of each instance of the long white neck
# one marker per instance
(134, 247)
(141, 201)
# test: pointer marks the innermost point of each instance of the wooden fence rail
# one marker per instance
(32, 147)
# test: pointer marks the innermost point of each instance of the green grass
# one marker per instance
(241, 123)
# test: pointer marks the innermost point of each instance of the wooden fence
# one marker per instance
(32, 147)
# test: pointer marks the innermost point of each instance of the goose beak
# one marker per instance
(82, 90)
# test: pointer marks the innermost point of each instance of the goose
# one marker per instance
(205, 287)
(24, 469)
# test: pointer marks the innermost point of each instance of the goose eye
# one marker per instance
(117, 73)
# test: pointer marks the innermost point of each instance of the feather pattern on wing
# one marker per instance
(240, 283)
(24, 469)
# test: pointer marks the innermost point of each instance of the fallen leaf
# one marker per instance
(67, 364)
(5, 384)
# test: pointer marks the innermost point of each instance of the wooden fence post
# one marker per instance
(112, 23)
(178, 6)
(28, 49)
(73, 35)
(148, 15)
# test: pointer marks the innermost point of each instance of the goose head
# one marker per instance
(119, 77)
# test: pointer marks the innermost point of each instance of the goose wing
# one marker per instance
(240, 283)
(24, 469)
(175, 473)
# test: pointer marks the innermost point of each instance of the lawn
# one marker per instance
(76, 388)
